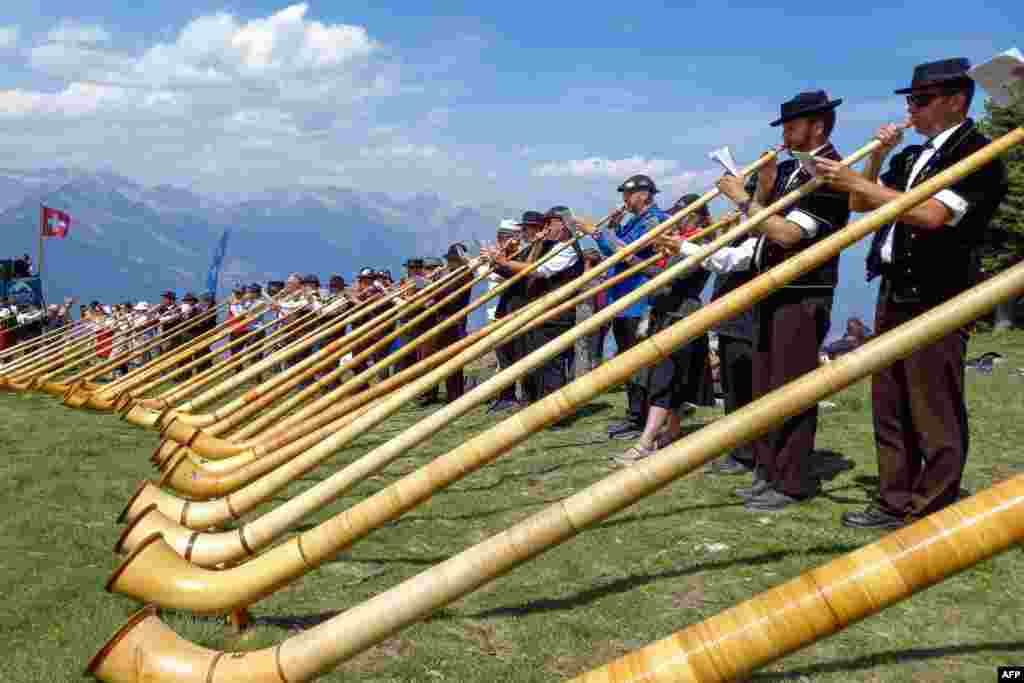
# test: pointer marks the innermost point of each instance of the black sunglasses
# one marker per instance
(921, 100)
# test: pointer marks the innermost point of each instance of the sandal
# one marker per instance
(634, 455)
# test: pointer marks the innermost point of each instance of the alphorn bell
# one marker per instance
(208, 591)
(919, 556)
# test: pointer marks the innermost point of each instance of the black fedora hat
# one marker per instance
(805, 104)
(946, 71)
(532, 218)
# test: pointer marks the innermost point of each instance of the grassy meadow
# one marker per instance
(667, 562)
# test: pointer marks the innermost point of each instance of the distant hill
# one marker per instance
(130, 241)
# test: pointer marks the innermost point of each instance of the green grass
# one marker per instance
(667, 562)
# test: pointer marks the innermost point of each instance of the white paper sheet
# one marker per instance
(997, 75)
(724, 157)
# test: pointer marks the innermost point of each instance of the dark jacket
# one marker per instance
(829, 207)
(931, 266)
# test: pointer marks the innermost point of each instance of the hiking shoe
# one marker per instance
(632, 456)
(754, 490)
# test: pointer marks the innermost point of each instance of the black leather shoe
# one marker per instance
(872, 518)
(754, 490)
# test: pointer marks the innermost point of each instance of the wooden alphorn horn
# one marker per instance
(204, 482)
(285, 354)
(79, 396)
(211, 549)
(907, 561)
(291, 329)
(219, 448)
(354, 523)
(182, 477)
(64, 344)
(50, 340)
(237, 411)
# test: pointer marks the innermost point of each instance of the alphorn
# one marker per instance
(301, 324)
(217, 449)
(211, 549)
(48, 338)
(201, 442)
(907, 561)
(57, 345)
(266, 394)
(78, 395)
(204, 481)
(284, 354)
(345, 527)
(182, 476)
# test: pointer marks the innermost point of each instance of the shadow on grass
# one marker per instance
(629, 583)
(888, 657)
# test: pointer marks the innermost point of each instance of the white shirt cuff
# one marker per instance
(955, 203)
(808, 223)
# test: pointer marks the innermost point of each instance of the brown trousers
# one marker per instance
(790, 328)
(920, 417)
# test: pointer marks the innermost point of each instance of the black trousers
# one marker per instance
(509, 353)
(735, 357)
(624, 329)
(555, 373)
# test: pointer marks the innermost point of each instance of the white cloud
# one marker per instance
(8, 37)
(69, 31)
(78, 99)
(599, 167)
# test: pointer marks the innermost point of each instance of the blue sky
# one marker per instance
(526, 104)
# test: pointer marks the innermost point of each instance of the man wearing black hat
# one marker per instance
(207, 304)
(638, 200)
(563, 267)
(510, 301)
(455, 383)
(791, 324)
(929, 256)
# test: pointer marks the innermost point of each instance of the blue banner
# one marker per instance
(24, 291)
(213, 276)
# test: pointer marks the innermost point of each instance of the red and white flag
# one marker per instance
(54, 223)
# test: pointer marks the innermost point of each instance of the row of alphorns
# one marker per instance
(224, 452)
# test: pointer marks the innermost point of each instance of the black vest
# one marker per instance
(829, 207)
(931, 266)
(541, 286)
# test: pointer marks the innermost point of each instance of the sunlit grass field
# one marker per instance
(667, 562)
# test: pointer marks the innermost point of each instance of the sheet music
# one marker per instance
(997, 75)
(724, 157)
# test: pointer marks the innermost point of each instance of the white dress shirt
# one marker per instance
(726, 259)
(557, 263)
(950, 199)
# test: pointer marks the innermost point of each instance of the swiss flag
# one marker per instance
(53, 223)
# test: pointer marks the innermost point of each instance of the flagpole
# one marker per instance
(39, 267)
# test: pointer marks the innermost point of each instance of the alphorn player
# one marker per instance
(791, 323)
(638, 200)
(926, 258)
(513, 299)
(565, 266)
(455, 383)
(508, 241)
(667, 382)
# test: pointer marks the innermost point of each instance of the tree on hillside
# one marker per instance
(1004, 243)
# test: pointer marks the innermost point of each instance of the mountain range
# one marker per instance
(130, 241)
